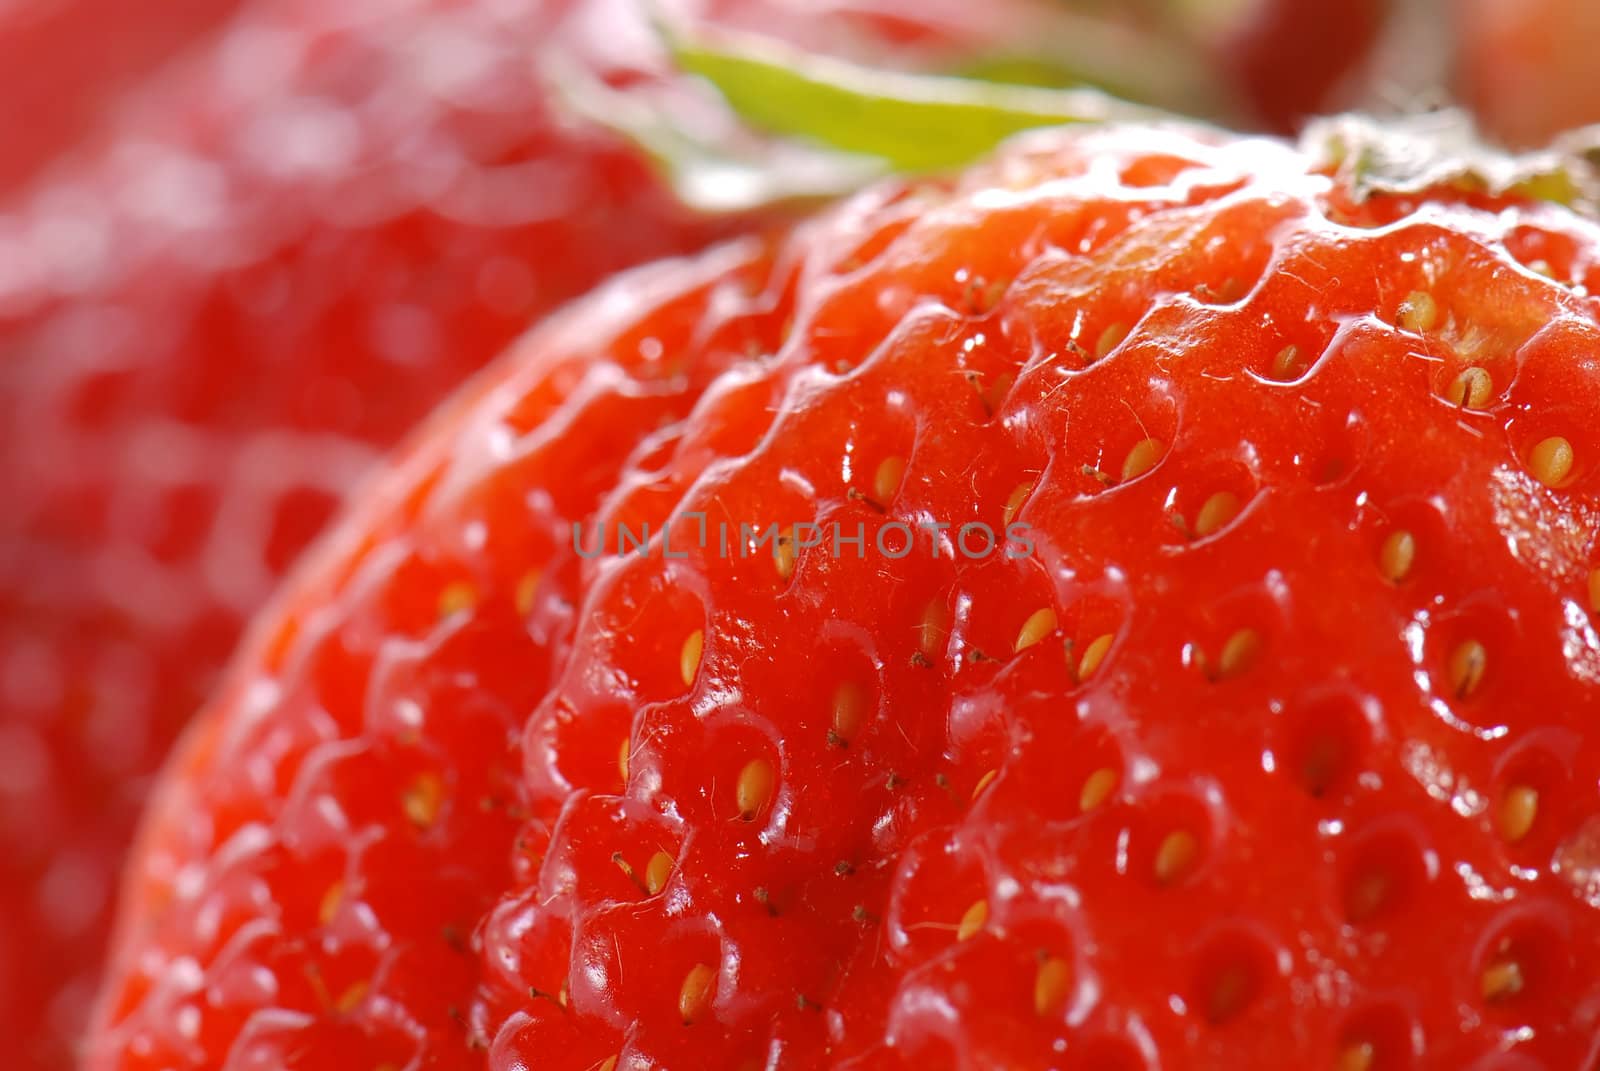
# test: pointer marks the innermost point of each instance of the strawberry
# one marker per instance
(302, 238)
(1527, 69)
(1131, 605)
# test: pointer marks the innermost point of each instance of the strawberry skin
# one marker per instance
(1273, 750)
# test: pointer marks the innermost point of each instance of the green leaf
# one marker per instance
(712, 169)
(913, 122)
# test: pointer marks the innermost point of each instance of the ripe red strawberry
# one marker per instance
(1269, 747)
(300, 240)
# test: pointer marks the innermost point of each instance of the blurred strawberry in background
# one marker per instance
(1528, 68)
(66, 62)
(262, 260)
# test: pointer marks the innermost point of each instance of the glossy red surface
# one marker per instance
(1323, 472)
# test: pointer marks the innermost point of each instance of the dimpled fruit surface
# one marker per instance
(1263, 740)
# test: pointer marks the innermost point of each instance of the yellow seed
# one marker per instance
(527, 587)
(656, 872)
(984, 782)
(1217, 511)
(1418, 312)
(786, 554)
(1093, 655)
(1502, 981)
(1594, 591)
(350, 998)
(1286, 365)
(1396, 555)
(1040, 624)
(457, 597)
(933, 629)
(1052, 984)
(887, 479)
(608, 1064)
(331, 899)
(1519, 807)
(1178, 853)
(1357, 1056)
(975, 918)
(1096, 788)
(624, 751)
(1141, 459)
(1467, 665)
(1019, 495)
(1239, 653)
(422, 799)
(1110, 339)
(694, 998)
(1470, 390)
(849, 710)
(1551, 460)
(1366, 896)
(689, 657)
(754, 791)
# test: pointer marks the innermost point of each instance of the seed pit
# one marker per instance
(1384, 868)
(655, 663)
(1525, 958)
(1531, 795)
(1324, 743)
(1231, 971)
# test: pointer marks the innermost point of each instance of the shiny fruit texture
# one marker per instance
(298, 240)
(1259, 736)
